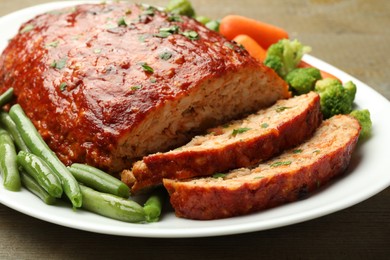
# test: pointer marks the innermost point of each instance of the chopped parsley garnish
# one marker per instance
(60, 64)
(229, 45)
(264, 125)
(297, 151)
(162, 34)
(192, 35)
(171, 29)
(27, 28)
(63, 86)
(167, 31)
(258, 177)
(122, 21)
(136, 87)
(166, 55)
(281, 109)
(149, 10)
(147, 68)
(52, 44)
(219, 175)
(239, 131)
(277, 164)
(174, 18)
(153, 80)
(317, 151)
(142, 38)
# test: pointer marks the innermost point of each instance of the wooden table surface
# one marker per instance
(352, 35)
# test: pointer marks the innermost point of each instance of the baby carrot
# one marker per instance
(263, 33)
(324, 74)
(254, 49)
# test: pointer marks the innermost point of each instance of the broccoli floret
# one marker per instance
(285, 55)
(364, 118)
(334, 97)
(302, 80)
(211, 24)
(182, 7)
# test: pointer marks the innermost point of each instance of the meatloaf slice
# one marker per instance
(283, 179)
(238, 144)
(106, 84)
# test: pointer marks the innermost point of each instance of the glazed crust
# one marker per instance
(288, 123)
(272, 183)
(95, 78)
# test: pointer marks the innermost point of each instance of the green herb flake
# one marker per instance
(147, 68)
(174, 18)
(153, 80)
(219, 175)
(142, 38)
(192, 35)
(53, 44)
(229, 45)
(281, 109)
(136, 87)
(149, 10)
(162, 34)
(239, 131)
(297, 151)
(264, 125)
(317, 151)
(171, 29)
(166, 55)
(27, 28)
(60, 64)
(277, 164)
(63, 86)
(122, 21)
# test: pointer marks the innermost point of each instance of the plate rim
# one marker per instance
(154, 229)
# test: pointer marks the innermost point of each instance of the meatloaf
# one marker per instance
(240, 143)
(282, 179)
(107, 83)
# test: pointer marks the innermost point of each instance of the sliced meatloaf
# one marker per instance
(108, 83)
(237, 144)
(282, 179)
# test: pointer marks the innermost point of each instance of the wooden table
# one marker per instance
(354, 36)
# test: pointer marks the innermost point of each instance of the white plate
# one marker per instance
(368, 174)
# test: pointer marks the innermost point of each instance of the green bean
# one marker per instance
(10, 126)
(99, 180)
(30, 184)
(6, 97)
(112, 206)
(38, 147)
(8, 165)
(153, 206)
(41, 172)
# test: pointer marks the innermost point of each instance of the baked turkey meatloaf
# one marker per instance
(240, 143)
(282, 179)
(107, 83)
